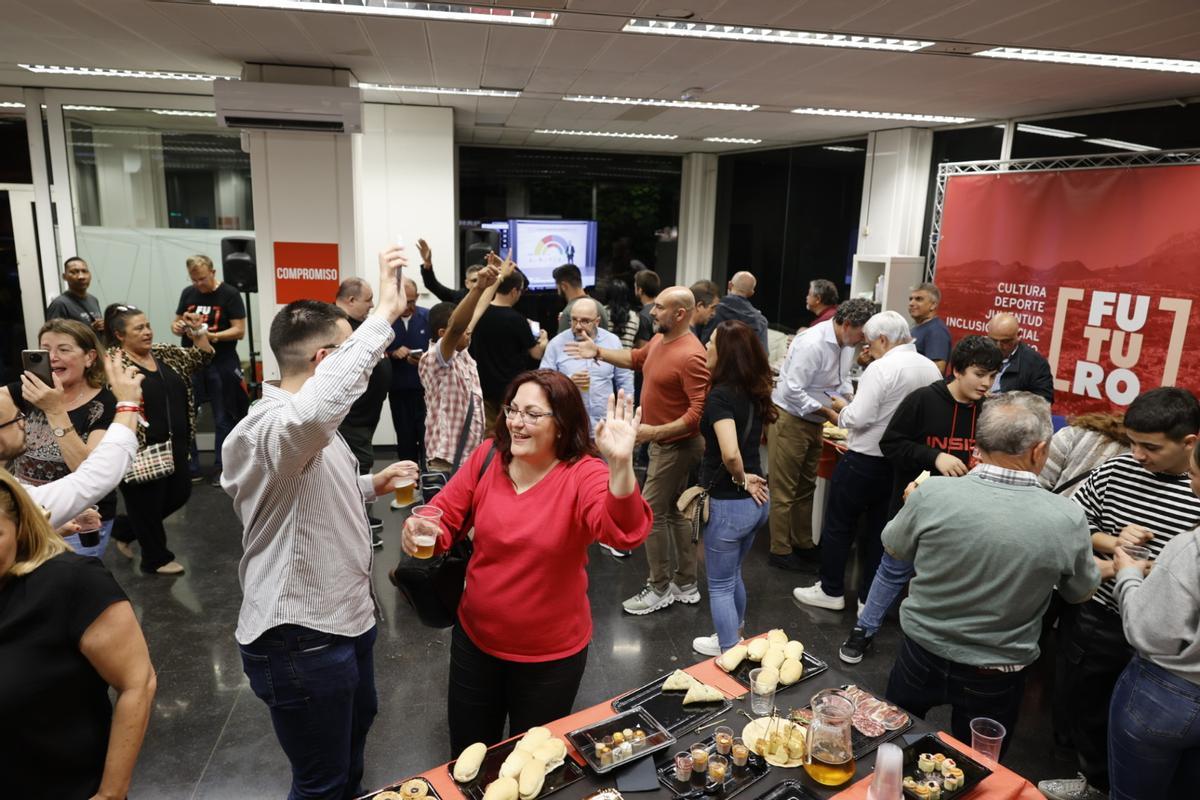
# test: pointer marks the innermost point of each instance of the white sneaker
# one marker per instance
(861, 606)
(1070, 789)
(707, 645)
(614, 552)
(648, 601)
(686, 594)
(815, 596)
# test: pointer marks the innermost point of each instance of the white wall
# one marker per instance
(895, 184)
(697, 218)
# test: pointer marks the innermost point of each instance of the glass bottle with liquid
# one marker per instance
(829, 757)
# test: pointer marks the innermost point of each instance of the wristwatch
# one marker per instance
(59, 432)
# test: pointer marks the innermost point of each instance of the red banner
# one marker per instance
(1101, 266)
(306, 271)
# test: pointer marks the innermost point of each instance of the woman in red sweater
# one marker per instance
(520, 646)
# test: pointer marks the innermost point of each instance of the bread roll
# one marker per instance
(757, 649)
(502, 789)
(537, 736)
(515, 762)
(469, 760)
(533, 775)
(777, 635)
(773, 659)
(551, 753)
(414, 789)
(790, 672)
(730, 659)
(768, 679)
(793, 649)
(388, 795)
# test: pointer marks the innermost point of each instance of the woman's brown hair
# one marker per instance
(566, 403)
(37, 542)
(1111, 426)
(86, 338)
(742, 363)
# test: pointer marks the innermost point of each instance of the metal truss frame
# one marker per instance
(1155, 158)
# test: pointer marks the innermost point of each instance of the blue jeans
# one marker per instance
(727, 538)
(219, 385)
(921, 680)
(861, 485)
(887, 586)
(1154, 734)
(98, 550)
(320, 689)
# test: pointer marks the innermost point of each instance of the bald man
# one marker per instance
(674, 367)
(736, 305)
(1023, 368)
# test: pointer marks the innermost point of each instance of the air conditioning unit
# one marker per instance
(288, 107)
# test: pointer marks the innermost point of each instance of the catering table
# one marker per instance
(831, 453)
(1003, 784)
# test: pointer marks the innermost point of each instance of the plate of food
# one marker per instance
(791, 663)
(411, 789)
(933, 770)
(620, 739)
(535, 765)
(874, 722)
(777, 739)
(677, 701)
(704, 776)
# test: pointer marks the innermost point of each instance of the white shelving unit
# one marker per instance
(900, 274)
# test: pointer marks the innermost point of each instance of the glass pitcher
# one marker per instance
(829, 757)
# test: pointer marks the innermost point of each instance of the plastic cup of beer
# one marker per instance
(1137, 552)
(584, 380)
(426, 522)
(405, 492)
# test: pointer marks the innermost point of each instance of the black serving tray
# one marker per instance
(395, 787)
(973, 771)
(864, 745)
(736, 778)
(813, 667)
(489, 770)
(584, 739)
(788, 790)
(667, 707)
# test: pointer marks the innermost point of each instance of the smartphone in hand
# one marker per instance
(38, 362)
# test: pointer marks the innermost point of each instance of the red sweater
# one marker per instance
(526, 593)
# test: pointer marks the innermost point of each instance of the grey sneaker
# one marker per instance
(688, 593)
(1070, 789)
(647, 601)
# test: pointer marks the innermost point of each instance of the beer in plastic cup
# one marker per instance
(426, 527)
(404, 492)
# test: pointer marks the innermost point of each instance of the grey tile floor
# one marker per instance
(210, 737)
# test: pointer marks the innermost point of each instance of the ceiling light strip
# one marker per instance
(1122, 145)
(740, 33)
(897, 115)
(649, 101)
(387, 87)
(841, 148)
(87, 108)
(731, 140)
(394, 8)
(1112, 60)
(606, 134)
(104, 72)
(11, 104)
(180, 112)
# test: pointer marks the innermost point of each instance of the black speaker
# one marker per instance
(239, 263)
(476, 242)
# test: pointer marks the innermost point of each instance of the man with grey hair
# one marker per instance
(930, 333)
(989, 549)
(736, 305)
(817, 365)
(862, 481)
(822, 300)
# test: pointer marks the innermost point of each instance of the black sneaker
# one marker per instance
(376, 523)
(791, 562)
(854, 648)
(376, 540)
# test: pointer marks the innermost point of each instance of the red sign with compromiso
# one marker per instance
(306, 271)
(1100, 266)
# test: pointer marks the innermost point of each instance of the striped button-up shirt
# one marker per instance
(295, 486)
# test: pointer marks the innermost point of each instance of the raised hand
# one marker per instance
(487, 276)
(391, 301)
(616, 434)
(394, 475)
(50, 399)
(582, 349)
(426, 253)
(125, 382)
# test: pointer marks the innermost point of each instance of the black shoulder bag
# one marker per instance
(434, 588)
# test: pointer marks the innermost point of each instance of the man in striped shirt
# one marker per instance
(306, 628)
(1142, 498)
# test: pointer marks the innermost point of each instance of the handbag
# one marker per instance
(156, 460)
(693, 503)
(434, 588)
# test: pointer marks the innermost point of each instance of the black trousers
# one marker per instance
(1092, 654)
(861, 485)
(485, 691)
(408, 419)
(147, 505)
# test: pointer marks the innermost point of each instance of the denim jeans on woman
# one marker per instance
(889, 581)
(1154, 734)
(727, 538)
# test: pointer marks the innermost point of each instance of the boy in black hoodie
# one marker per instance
(933, 429)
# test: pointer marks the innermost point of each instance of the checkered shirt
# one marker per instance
(450, 387)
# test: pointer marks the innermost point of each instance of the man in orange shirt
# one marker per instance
(674, 369)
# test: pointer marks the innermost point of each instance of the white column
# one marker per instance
(697, 218)
(895, 184)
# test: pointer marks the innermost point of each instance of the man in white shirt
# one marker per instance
(862, 482)
(104, 467)
(306, 628)
(817, 365)
(598, 381)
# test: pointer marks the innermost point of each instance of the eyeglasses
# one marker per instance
(327, 347)
(18, 418)
(530, 418)
(583, 320)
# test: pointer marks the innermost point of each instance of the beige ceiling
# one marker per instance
(585, 53)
